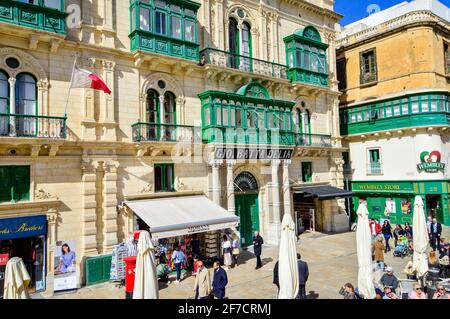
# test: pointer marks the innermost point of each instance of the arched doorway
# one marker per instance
(246, 200)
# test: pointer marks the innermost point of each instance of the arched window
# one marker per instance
(245, 182)
(306, 121)
(26, 94)
(169, 108)
(26, 104)
(152, 107)
(246, 45)
(233, 42)
(4, 103)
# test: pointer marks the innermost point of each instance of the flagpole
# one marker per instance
(70, 86)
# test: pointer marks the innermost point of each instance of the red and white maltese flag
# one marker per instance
(84, 79)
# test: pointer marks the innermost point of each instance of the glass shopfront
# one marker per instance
(24, 237)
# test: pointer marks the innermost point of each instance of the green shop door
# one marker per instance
(248, 212)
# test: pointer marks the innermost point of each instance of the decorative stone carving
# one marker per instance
(28, 63)
(108, 65)
(111, 166)
(147, 188)
(41, 194)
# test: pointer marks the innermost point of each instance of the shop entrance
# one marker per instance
(304, 207)
(246, 202)
(434, 207)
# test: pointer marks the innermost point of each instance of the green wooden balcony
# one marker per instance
(312, 140)
(146, 132)
(309, 77)
(417, 110)
(156, 43)
(37, 126)
(45, 15)
(250, 136)
(243, 63)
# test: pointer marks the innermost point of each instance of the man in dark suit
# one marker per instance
(257, 248)
(435, 234)
(220, 281)
(303, 274)
(276, 277)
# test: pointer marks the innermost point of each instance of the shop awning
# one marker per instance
(323, 192)
(176, 216)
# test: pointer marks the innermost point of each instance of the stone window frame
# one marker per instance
(368, 77)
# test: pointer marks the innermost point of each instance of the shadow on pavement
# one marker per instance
(312, 295)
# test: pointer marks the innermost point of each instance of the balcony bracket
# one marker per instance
(35, 149)
(33, 41)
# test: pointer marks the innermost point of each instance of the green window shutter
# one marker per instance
(21, 183)
(5, 183)
(306, 171)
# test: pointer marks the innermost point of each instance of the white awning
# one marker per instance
(176, 216)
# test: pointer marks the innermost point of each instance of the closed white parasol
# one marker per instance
(287, 260)
(420, 238)
(146, 281)
(364, 249)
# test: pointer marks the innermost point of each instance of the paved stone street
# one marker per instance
(332, 262)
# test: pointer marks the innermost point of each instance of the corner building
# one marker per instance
(394, 71)
(197, 87)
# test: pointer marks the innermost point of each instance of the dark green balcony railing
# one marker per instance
(374, 168)
(36, 16)
(251, 136)
(312, 140)
(309, 77)
(143, 131)
(19, 125)
(243, 63)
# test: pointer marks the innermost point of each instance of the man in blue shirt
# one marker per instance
(178, 260)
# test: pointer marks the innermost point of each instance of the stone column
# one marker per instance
(216, 181)
(286, 188)
(275, 37)
(52, 220)
(109, 206)
(89, 206)
(207, 24)
(12, 106)
(230, 187)
(263, 28)
(275, 222)
(88, 123)
(219, 25)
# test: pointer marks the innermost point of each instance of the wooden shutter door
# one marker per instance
(5, 184)
(21, 180)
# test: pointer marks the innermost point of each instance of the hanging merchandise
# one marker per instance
(212, 245)
(119, 252)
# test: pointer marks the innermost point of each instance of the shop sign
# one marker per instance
(430, 162)
(192, 230)
(382, 187)
(4, 259)
(244, 153)
(198, 229)
(22, 227)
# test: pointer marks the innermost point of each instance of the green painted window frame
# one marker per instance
(164, 182)
(369, 75)
(137, 5)
(307, 172)
(15, 183)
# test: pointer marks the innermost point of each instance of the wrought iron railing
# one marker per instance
(143, 131)
(312, 140)
(374, 168)
(39, 126)
(243, 63)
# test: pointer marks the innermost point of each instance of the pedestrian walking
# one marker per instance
(303, 274)
(408, 231)
(348, 291)
(202, 282)
(226, 251)
(435, 234)
(236, 251)
(387, 234)
(257, 248)
(398, 231)
(220, 281)
(178, 259)
(378, 249)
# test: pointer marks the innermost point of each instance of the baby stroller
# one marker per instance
(402, 249)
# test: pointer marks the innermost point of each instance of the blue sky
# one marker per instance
(353, 10)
